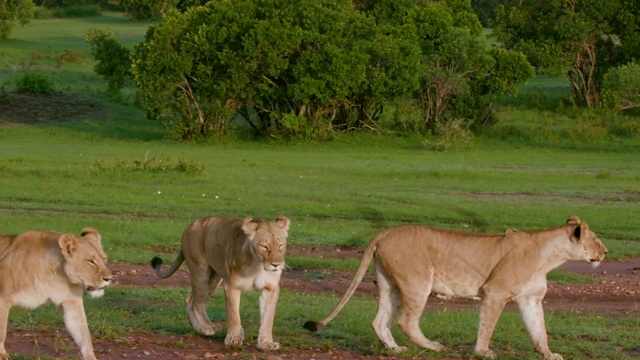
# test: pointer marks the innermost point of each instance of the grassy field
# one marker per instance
(114, 170)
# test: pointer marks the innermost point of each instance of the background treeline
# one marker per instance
(309, 68)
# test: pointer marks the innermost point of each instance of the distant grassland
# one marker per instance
(118, 172)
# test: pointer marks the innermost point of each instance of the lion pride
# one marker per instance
(413, 261)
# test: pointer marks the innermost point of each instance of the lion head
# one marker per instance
(85, 261)
(268, 240)
(587, 244)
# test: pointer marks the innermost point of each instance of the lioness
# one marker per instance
(240, 254)
(413, 261)
(41, 266)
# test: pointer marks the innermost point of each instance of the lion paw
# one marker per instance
(269, 346)
(400, 349)
(207, 330)
(554, 357)
(4, 356)
(489, 354)
(234, 339)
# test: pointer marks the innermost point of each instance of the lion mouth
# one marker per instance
(595, 262)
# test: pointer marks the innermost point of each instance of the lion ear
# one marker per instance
(283, 222)
(573, 220)
(249, 227)
(68, 244)
(579, 231)
(91, 234)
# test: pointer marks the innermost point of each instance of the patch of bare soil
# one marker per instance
(41, 108)
(617, 293)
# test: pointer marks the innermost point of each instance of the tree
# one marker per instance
(580, 39)
(303, 67)
(310, 67)
(13, 12)
(458, 73)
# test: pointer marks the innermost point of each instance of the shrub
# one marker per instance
(621, 87)
(113, 60)
(33, 83)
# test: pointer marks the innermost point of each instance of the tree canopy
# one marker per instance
(12, 13)
(310, 67)
(580, 39)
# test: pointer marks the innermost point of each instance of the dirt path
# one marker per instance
(617, 293)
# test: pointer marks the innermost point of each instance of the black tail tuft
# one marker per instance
(156, 262)
(311, 326)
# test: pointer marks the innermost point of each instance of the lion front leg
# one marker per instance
(4, 317)
(533, 316)
(235, 333)
(268, 304)
(75, 321)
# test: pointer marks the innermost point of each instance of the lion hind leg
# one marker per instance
(203, 284)
(388, 302)
(490, 311)
(414, 298)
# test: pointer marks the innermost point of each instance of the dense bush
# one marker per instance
(34, 83)
(621, 87)
(310, 67)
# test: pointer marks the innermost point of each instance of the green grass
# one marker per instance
(538, 165)
(161, 310)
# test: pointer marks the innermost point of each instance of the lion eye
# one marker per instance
(92, 263)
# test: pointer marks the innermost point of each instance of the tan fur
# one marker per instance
(241, 255)
(414, 261)
(43, 266)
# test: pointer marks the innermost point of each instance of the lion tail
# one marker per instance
(156, 264)
(362, 269)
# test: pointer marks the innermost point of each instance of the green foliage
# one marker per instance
(76, 11)
(34, 83)
(113, 59)
(183, 5)
(580, 39)
(621, 87)
(13, 12)
(308, 68)
(144, 9)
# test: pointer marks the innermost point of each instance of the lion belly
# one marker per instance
(449, 289)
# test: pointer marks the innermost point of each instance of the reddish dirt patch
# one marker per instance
(616, 293)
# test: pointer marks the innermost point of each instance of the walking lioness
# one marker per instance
(242, 255)
(413, 261)
(41, 266)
